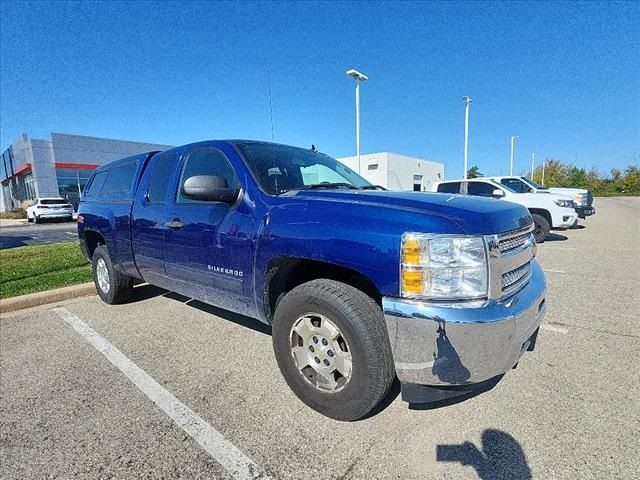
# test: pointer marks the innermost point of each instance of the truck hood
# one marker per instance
(474, 215)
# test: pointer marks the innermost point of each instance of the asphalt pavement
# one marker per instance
(19, 233)
(164, 387)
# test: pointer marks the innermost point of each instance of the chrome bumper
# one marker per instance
(435, 344)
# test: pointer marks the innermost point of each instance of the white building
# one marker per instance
(397, 172)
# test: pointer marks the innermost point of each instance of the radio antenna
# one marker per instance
(273, 134)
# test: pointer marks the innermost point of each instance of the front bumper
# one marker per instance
(585, 211)
(565, 220)
(455, 344)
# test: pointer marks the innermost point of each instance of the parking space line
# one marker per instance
(553, 328)
(213, 442)
(553, 271)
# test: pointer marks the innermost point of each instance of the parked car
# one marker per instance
(358, 284)
(44, 208)
(548, 211)
(582, 198)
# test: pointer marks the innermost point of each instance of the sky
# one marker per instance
(564, 77)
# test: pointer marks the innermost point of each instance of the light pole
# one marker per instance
(513, 144)
(543, 164)
(358, 77)
(466, 133)
(533, 161)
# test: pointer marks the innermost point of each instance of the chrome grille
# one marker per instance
(510, 257)
(515, 277)
(514, 242)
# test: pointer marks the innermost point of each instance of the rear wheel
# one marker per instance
(37, 218)
(541, 227)
(112, 286)
(332, 347)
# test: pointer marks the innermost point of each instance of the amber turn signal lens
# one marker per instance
(411, 252)
(412, 282)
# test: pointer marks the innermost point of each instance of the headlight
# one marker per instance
(443, 267)
(565, 203)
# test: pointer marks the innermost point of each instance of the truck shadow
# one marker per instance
(501, 456)
(556, 237)
(12, 241)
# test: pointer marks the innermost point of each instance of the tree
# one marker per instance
(474, 172)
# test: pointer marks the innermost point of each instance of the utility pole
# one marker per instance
(533, 161)
(513, 143)
(466, 134)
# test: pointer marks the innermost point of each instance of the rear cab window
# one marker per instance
(161, 169)
(452, 187)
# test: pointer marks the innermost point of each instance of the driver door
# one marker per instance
(208, 244)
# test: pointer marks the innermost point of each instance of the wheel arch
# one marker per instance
(543, 212)
(285, 273)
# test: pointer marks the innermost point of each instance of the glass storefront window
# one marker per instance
(71, 182)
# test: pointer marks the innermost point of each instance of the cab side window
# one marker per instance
(161, 169)
(206, 161)
(480, 189)
(515, 184)
(453, 187)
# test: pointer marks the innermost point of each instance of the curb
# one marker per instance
(50, 296)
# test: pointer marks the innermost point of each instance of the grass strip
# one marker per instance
(41, 267)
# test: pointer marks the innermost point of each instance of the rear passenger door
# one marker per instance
(149, 216)
(208, 244)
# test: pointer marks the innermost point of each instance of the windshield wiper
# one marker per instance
(373, 187)
(327, 185)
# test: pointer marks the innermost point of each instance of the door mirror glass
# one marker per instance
(209, 188)
(497, 193)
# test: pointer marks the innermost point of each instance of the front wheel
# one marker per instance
(112, 286)
(541, 227)
(332, 347)
(29, 219)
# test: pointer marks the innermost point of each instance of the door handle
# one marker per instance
(175, 223)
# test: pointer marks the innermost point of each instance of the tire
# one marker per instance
(29, 219)
(363, 338)
(37, 219)
(574, 225)
(542, 227)
(118, 287)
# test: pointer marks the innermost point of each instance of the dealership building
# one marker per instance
(397, 172)
(57, 167)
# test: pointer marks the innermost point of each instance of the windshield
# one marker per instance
(280, 168)
(533, 184)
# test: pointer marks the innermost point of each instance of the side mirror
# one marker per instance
(497, 193)
(209, 188)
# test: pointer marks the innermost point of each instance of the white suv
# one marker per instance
(42, 208)
(548, 211)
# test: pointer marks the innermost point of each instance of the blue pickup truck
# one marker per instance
(359, 285)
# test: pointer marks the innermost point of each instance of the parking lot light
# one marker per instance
(466, 133)
(359, 77)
